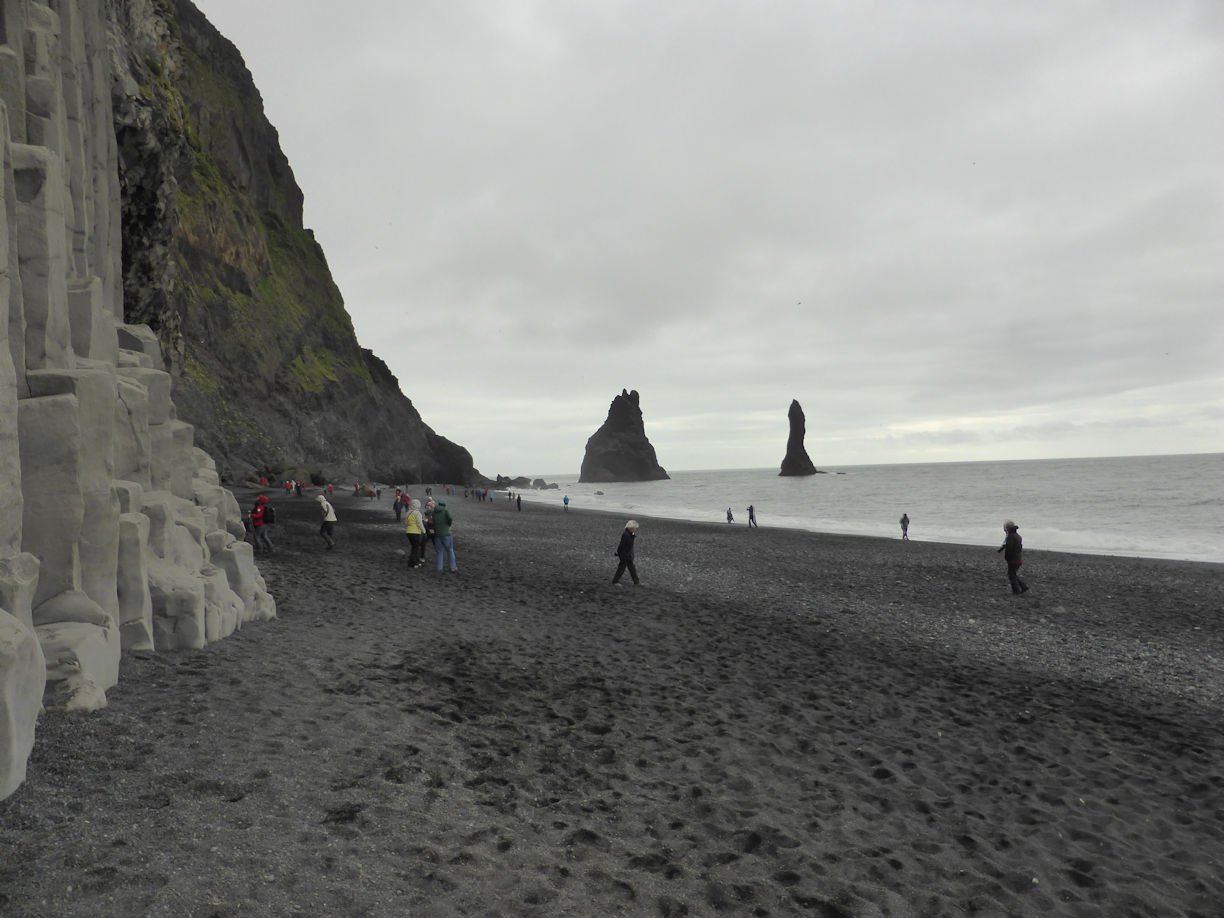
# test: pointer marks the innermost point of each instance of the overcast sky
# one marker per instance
(951, 229)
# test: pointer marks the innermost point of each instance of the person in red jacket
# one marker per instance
(259, 527)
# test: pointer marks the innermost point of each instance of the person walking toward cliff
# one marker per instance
(625, 552)
(328, 529)
(444, 541)
(259, 525)
(1012, 548)
(752, 517)
(905, 527)
(414, 527)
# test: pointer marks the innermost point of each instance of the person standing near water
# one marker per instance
(751, 516)
(1012, 547)
(624, 551)
(730, 518)
(565, 503)
(905, 526)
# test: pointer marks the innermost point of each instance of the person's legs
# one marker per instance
(448, 543)
(414, 548)
(440, 551)
(1018, 586)
(262, 540)
(633, 572)
(620, 569)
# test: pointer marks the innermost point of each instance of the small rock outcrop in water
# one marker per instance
(796, 461)
(619, 450)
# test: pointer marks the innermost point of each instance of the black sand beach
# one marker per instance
(775, 723)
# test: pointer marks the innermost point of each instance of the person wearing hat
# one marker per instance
(444, 542)
(329, 522)
(1011, 548)
(624, 551)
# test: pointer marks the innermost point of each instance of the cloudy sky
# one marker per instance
(951, 229)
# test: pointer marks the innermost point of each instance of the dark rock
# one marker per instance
(796, 461)
(619, 450)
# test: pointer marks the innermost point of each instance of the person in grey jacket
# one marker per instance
(1012, 548)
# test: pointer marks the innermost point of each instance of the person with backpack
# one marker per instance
(261, 515)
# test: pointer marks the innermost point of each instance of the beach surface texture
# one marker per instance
(775, 723)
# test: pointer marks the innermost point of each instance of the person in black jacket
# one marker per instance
(1011, 548)
(624, 551)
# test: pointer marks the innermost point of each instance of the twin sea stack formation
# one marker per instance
(796, 461)
(166, 325)
(619, 450)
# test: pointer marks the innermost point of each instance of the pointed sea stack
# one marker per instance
(619, 450)
(797, 461)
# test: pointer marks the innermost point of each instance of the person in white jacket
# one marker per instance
(327, 530)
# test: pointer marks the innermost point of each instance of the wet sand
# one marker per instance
(774, 723)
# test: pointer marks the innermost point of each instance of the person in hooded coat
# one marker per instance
(259, 526)
(414, 528)
(328, 529)
(1012, 548)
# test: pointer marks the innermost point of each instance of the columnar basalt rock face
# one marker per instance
(796, 461)
(115, 533)
(619, 450)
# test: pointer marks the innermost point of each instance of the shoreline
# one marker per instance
(775, 723)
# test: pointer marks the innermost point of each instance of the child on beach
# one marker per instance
(624, 551)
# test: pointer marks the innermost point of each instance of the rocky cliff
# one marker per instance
(260, 348)
(796, 460)
(619, 450)
(157, 294)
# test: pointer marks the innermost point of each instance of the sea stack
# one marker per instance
(619, 450)
(796, 461)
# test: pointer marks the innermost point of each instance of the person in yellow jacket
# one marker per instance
(414, 527)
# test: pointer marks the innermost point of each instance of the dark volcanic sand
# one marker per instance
(776, 723)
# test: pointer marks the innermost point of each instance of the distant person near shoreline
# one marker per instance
(1012, 548)
(905, 526)
(730, 518)
(752, 517)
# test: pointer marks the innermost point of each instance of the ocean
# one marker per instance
(1145, 506)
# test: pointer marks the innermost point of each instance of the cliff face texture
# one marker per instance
(261, 351)
(796, 461)
(619, 450)
(157, 293)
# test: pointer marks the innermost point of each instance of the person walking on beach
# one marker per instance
(414, 527)
(1011, 548)
(905, 526)
(444, 542)
(730, 518)
(624, 551)
(565, 503)
(752, 516)
(328, 529)
(259, 525)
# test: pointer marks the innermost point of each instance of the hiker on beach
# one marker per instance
(565, 503)
(444, 542)
(327, 530)
(730, 518)
(752, 516)
(414, 527)
(905, 526)
(259, 525)
(624, 551)
(430, 536)
(1011, 548)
